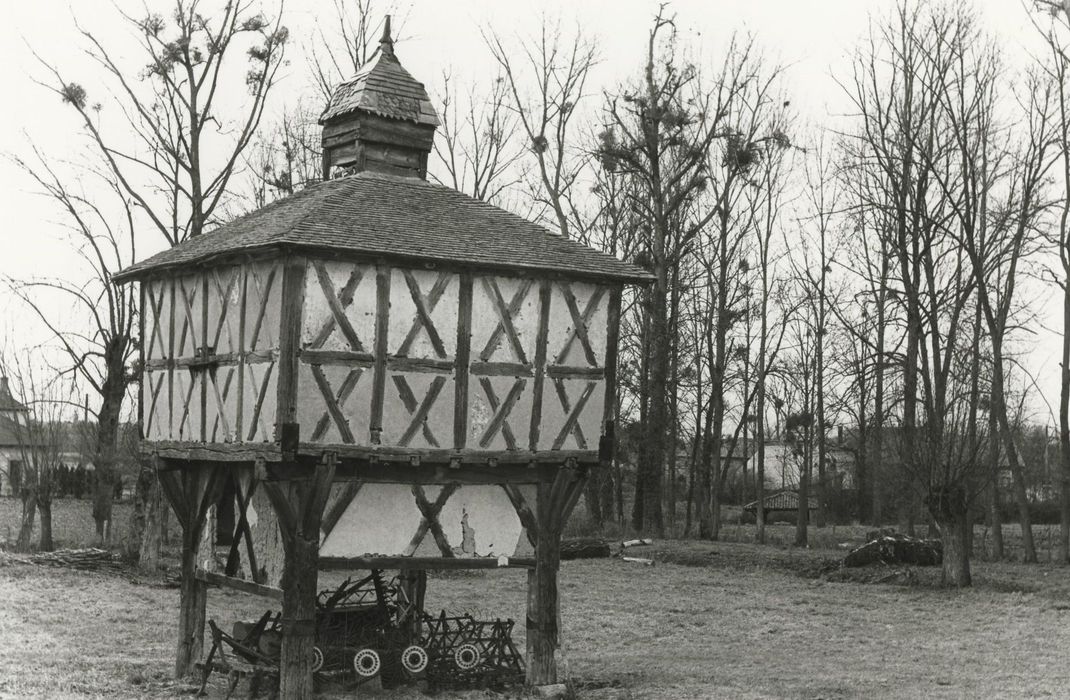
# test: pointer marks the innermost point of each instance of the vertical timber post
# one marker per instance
(542, 595)
(299, 505)
(190, 490)
(554, 503)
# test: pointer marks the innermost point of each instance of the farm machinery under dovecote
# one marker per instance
(367, 628)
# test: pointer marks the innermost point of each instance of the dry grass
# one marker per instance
(730, 620)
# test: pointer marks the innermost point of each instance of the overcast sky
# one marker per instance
(814, 38)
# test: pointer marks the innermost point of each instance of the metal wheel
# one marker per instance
(367, 663)
(414, 658)
(467, 657)
(317, 659)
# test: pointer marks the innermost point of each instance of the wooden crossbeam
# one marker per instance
(505, 318)
(337, 302)
(338, 508)
(224, 307)
(572, 415)
(430, 521)
(221, 404)
(501, 412)
(263, 291)
(256, 420)
(156, 307)
(188, 325)
(335, 403)
(523, 512)
(418, 412)
(425, 305)
(579, 323)
(154, 395)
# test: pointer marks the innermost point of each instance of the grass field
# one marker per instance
(710, 620)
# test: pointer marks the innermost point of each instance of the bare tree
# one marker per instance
(546, 79)
(39, 438)
(476, 145)
(98, 350)
(169, 144)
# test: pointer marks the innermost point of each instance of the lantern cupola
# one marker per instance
(381, 119)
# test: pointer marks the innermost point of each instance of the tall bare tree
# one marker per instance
(546, 79)
(171, 146)
(98, 341)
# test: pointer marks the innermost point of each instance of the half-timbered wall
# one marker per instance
(428, 359)
(210, 348)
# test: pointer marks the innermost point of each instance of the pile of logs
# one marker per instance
(597, 548)
(89, 559)
(895, 548)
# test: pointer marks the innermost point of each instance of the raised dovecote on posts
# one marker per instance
(380, 372)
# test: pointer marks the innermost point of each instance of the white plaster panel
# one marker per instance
(439, 420)
(562, 325)
(382, 519)
(312, 404)
(480, 412)
(360, 311)
(403, 313)
(485, 318)
(554, 415)
(480, 521)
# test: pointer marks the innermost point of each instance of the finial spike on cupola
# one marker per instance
(386, 44)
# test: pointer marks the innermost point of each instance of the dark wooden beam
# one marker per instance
(406, 563)
(382, 345)
(464, 356)
(541, 336)
(290, 313)
(238, 584)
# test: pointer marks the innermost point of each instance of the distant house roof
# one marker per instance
(395, 217)
(7, 401)
(9, 433)
(782, 500)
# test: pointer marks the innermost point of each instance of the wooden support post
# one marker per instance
(554, 503)
(299, 505)
(414, 589)
(191, 491)
(542, 595)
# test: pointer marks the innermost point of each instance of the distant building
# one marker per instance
(784, 462)
(14, 417)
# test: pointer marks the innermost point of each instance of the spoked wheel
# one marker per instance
(317, 659)
(414, 659)
(367, 663)
(467, 657)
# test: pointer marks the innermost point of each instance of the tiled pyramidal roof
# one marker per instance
(392, 216)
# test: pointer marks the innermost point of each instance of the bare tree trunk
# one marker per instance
(44, 508)
(28, 496)
(148, 558)
(949, 509)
